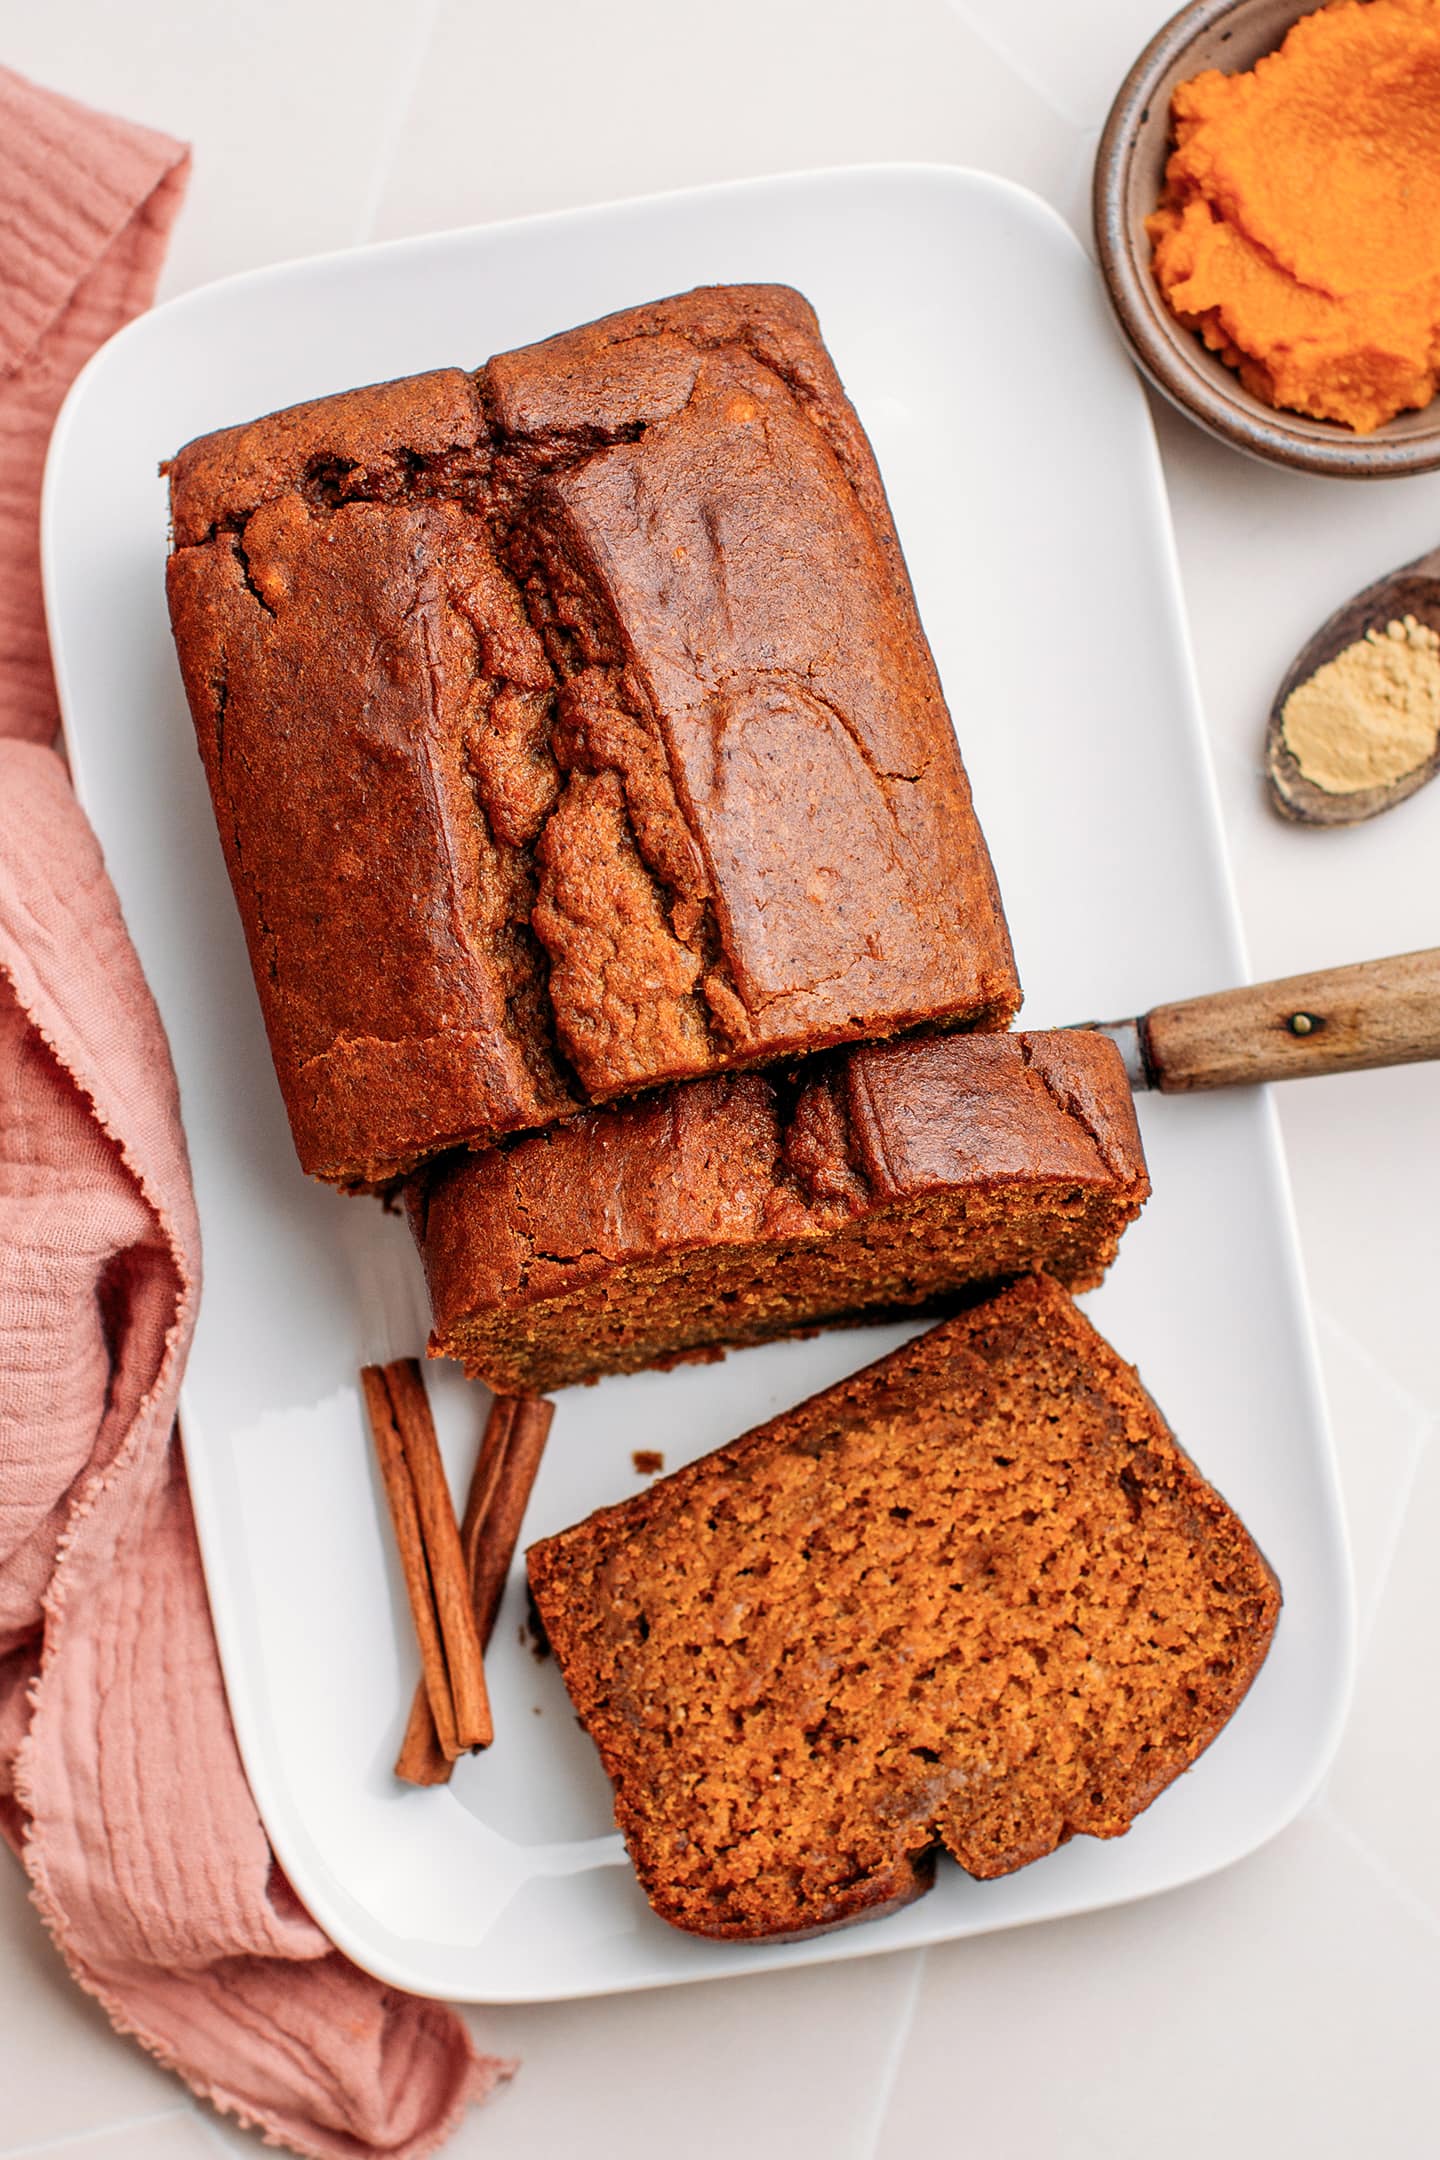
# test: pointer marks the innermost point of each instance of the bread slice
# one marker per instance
(570, 729)
(975, 1597)
(879, 1180)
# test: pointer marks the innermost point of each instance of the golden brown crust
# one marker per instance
(388, 929)
(571, 730)
(976, 1596)
(728, 1210)
(377, 433)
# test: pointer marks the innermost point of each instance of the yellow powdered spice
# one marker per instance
(1372, 714)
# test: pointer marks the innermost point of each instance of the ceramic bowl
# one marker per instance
(1129, 170)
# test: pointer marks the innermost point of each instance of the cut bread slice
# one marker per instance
(973, 1598)
(882, 1179)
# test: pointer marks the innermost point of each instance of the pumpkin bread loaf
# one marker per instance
(876, 1180)
(570, 730)
(973, 1598)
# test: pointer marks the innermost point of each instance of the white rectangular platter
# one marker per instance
(1017, 448)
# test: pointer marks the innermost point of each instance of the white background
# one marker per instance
(1288, 2006)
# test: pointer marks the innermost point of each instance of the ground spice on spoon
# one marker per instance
(1372, 714)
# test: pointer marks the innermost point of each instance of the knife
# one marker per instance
(1347, 1019)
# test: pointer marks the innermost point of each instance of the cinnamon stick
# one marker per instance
(490, 1543)
(500, 1485)
(453, 1608)
(422, 1760)
(428, 1540)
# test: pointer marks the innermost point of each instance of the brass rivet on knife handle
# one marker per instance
(1349, 1019)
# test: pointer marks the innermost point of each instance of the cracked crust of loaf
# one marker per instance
(975, 1599)
(571, 730)
(880, 1179)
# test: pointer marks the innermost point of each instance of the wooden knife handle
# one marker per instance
(1382, 1012)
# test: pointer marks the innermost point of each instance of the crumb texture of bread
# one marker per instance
(880, 1179)
(974, 1598)
(571, 730)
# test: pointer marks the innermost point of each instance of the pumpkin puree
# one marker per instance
(1299, 229)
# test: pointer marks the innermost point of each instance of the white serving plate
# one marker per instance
(1015, 441)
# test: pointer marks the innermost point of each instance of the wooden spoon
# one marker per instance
(1412, 590)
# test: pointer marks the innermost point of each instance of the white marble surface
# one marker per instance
(1287, 2006)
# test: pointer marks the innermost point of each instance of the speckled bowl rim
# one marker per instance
(1236, 417)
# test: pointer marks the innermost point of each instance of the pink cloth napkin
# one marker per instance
(120, 1785)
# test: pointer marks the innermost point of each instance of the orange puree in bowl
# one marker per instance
(1299, 229)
